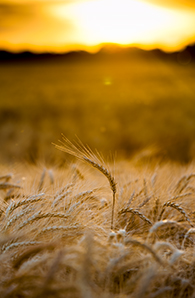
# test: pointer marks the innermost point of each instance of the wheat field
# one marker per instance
(119, 102)
(95, 228)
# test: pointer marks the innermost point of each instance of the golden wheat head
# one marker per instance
(85, 154)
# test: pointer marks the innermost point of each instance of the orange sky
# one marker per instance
(48, 25)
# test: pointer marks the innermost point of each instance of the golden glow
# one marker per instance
(121, 21)
(127, 22)
(83, 24)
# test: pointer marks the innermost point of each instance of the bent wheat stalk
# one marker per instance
(84, 153)
(178, 208)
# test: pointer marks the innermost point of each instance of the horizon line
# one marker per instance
(91, 49)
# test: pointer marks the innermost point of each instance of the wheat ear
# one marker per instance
(61, 228)
(6, 185)
(17, 244)
(178, 208)
(33, 199)
(6, 177)
(16, 217)
(136, 212)
(84, 153)
(42, 180)
(40, 215)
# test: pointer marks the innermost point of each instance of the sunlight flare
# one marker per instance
(124, 22)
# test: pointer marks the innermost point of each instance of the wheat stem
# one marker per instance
(84, 153)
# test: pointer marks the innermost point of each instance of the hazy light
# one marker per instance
(77, 24)
(127, 22)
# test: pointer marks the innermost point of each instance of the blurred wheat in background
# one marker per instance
(127, 101)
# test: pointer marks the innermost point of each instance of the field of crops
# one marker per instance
(135, 104)
(91, 229)
(74, 224)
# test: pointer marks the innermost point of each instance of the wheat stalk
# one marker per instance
(145, 247)
(190, 231)
(51, 176)
(178, 208)
(187, 194)
(161, 223)
(33, 199)
(84, 153)
(145, 202)
(155, 210)
(40, 215)
(17, 244)
(61, 197)
(176, 253)
(31, 252)
(77, 173)
(6, 177)
(16, 217)
(6, 185)
(181, 184)
(136, 212)
(42, 180)
(59, 228)
(82, 195)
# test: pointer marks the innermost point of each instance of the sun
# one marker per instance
(124, 22)
(119, 21)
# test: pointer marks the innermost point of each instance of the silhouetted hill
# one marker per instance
(6, 56)
(108, 51)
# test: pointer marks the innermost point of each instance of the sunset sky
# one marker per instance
(48, 25)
